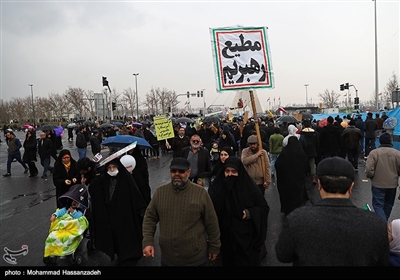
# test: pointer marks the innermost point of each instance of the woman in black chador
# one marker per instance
(117, 211)
(242, 215)
(291, 172)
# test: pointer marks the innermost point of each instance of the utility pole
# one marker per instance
(137, 97)
(33, 107)
(306, 85)
(376, 64)
(204, 102)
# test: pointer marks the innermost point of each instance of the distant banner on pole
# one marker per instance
(242, 58)
(163, 127)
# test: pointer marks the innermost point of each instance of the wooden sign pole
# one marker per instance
(257, 127)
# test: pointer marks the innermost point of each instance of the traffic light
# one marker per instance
(346, 86)
(105, 82)
(114, 106)
(169, 108)
(188, 94)
(356, 100)
(199, 93)
(342, 87)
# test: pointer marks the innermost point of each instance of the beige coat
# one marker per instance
(253, 165)
(383, 167)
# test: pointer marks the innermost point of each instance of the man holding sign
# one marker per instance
(251, 158)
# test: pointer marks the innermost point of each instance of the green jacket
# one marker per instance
(188, 224)
(275, 143)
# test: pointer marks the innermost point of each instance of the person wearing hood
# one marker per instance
(117, 214)
(383, 169)
(65, 174)
(292, 129)
(242, 215)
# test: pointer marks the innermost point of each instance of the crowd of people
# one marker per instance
(214, 206)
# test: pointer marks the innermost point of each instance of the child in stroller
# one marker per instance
(68, 226)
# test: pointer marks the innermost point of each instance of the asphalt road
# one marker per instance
(27, 203)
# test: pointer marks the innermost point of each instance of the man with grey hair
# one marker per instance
(383, 168)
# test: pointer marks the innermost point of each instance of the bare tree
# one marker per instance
(329, 98)
(88, 104)
(75, 98)
(391, 85)
(151, 99)
(173, 101)
(164, 96)
(158, 100)
(58, 104)
(128, 100)
(43, 109)
(5, 112)
(21, 108)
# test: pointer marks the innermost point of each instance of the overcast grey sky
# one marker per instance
(57, 44)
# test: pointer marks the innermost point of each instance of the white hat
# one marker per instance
(129, 162)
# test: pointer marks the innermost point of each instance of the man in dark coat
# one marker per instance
(95, 142)
(312, 148)
(330, 139)
(206, 134)
(370, 126)
(351, 137)
(179, 142)
(117, 212)
(45, 150)
(14, 146)
(333, 231)
(81, 142)
(198, 157)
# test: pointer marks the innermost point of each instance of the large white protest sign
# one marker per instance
(242, 58)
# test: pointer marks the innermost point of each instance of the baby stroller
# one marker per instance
(67, 232)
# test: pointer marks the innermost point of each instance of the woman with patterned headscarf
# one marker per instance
(65, 174)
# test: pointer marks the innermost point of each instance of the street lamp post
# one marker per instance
(137, 97)
(376, 63)
(33, 107)
(306, 85)
(204, 103)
